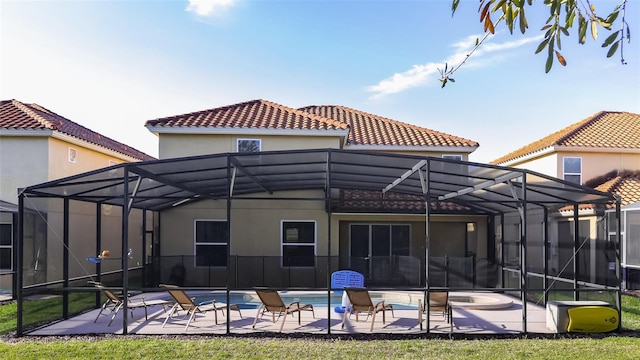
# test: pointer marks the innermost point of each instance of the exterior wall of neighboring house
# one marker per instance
(23, 162)
(179, 145)
(593, 164)
(38, 159)
(547, 164)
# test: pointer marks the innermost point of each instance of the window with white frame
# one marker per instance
(72, 155)
(452, 157)
(298, 243)
(6, 247)
(572, 169)
(210, 243)
(248, 145)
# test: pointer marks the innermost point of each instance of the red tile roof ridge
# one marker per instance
(395, 122)
(559, 137)
(329, 122)
(35, 116)
(63, 125)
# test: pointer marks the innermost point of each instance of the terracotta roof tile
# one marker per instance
(606, 129)
(369, 129)
(259, 114)
(372, 201)
(624, 183)
(20, 116)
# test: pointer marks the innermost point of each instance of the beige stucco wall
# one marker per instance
(23, 162)
(594, 164)
(179, 145)
(256, 227)
(255, 224)
(87, 159)
(597, 164)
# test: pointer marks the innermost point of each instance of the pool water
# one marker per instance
(251, 300)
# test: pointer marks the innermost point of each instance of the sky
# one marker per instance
(113, 65)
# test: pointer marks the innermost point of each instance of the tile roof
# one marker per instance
(369, 129)
(257, 114)
(606, 129)
(20, 116)
(364, 129)
(623, 183)
(373, 201)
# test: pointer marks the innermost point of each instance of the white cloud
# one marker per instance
(420, 75)
(208, 7)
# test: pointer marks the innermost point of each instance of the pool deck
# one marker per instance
(405, 321)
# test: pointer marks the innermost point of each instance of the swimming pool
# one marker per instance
(249, 300)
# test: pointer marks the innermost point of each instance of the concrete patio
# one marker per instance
(465, 321)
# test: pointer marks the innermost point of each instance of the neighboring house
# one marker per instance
(605, 141)
(38, 145)
(372, 239)
(602, 152)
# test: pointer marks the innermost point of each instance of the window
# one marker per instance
(6, 245)
(298, 243)
(249, 145)
(452, 157)
(72, 155)
(572, 169)
(211, 242)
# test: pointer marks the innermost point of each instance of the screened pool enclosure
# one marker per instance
(288, 219)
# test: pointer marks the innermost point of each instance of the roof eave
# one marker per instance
(26, 132)
(95, 147)
(186, 130)
(456, 149)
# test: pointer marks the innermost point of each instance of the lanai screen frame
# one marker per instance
(162, 184)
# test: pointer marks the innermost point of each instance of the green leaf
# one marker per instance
(609, 40)
(454, 6)
(452, 79)
(564, 31)
(612, 17)
(613, 49)
(545, 27)
(582, 29)
(523, 22)
(542, 45)
(549, 63)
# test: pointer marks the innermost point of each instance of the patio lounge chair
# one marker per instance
(114, 303)
(360, 302)
(438, 303)
(184, 302)
(270, 301)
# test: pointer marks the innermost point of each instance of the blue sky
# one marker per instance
(112, 65)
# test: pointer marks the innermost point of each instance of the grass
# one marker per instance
(255, 348)
(602, 347)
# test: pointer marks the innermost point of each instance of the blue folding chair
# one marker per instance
(345, 278)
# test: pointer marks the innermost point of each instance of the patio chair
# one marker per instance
(271, 302)
(114, 303)
(185, 302)
(360, 302)
(438, 303)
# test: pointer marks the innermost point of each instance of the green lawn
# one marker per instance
(610, 346)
